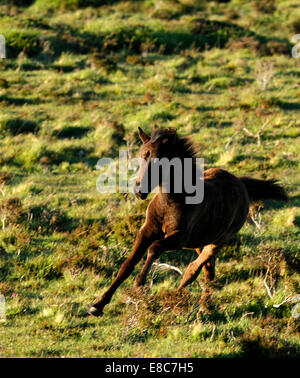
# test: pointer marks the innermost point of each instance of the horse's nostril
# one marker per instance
(143, 195)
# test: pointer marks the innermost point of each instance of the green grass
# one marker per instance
(78, 81)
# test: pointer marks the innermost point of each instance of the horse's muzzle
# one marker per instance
(141, 196)
(138, 193)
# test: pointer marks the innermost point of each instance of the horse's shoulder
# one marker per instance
(153, 207)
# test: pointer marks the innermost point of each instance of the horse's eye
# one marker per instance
(147, 155)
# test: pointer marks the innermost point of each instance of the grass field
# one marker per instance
(79, 78)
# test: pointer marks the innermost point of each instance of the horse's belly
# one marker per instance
(216, 229)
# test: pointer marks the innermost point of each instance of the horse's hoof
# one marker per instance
(94, 311)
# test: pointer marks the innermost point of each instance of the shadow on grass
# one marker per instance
(72, 155)
(295, 201)
(20, 100)
(261, 347)
(268, 137)
(75, 132)
(284, 105)
(297, 221)
(218, 124)
(204, 108)
(275, 205)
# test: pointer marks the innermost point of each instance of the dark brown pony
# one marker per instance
(171, 224)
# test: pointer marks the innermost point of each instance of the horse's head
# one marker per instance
(159, 145)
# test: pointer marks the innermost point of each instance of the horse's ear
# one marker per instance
(144, 137)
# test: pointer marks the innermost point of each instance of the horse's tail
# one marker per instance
(259, 190)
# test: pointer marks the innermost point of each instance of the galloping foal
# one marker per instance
(172, 224)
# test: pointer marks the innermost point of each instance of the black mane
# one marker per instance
(184, 146)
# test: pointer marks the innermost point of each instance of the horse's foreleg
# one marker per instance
(205, 259)
(144, 238)
(155, 250)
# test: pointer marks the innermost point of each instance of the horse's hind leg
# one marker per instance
(205, 260)
(155, 250)
(209, 267)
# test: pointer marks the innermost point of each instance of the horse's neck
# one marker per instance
(179, 197)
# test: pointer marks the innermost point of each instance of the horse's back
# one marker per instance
(223, 211)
